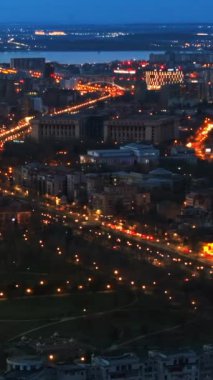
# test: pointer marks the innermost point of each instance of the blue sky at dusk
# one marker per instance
(106, 11)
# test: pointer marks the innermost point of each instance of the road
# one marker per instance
(24, 125)
(80, 220)
(199, 140)
(115, 228)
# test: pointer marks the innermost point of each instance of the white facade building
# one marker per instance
(126, 366)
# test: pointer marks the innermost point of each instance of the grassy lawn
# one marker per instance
(147, 315)
(34, 308)
(125, 320)
(101, 331)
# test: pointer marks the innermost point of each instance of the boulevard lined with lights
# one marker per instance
(119, 275)
(118, 240)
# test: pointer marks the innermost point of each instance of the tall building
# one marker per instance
(31, 102)
(28, 63)
(179, 58)
(49, 71)
(156, 79)
(207, 85)
(170, 94)
(56, 97)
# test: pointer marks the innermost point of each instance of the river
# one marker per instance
(73, 57)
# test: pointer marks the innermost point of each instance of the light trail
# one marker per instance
(23, 127)
(199, 140)
(14, 132)
(81, 106)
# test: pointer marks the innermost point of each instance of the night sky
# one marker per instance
(106, 11)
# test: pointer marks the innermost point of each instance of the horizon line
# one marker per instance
(107, 24)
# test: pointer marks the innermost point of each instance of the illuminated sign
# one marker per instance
(125, 72)
(208, 249)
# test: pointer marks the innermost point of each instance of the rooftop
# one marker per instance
(25, 360)
(160, 172)
(150, 119)
(110, 152)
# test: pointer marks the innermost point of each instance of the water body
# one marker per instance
(72, 57)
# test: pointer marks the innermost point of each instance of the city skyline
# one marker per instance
(106, 189)
(108, 12)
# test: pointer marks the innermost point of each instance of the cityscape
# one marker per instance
(121, 37)
(106, 193)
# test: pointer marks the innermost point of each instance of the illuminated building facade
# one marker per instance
(57, 33)
(156, 79)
